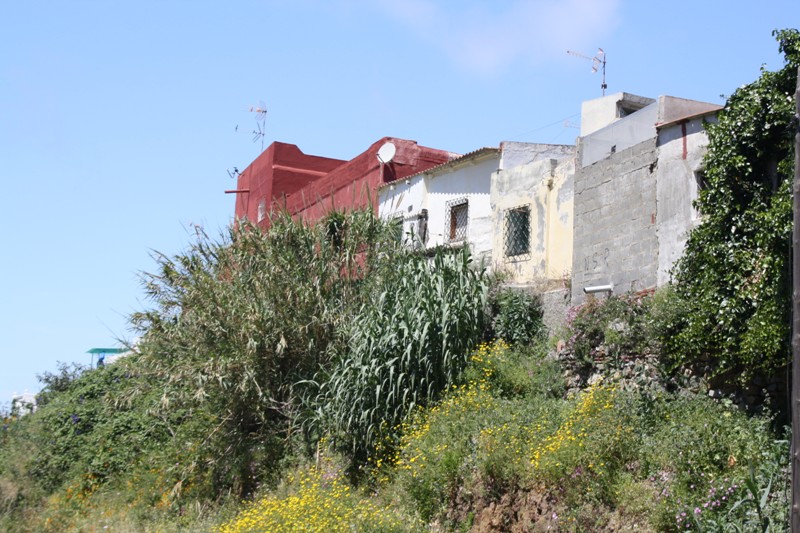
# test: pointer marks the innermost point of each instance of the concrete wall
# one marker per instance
(620, 135)
(515, 154)
(681, 148)
(546, 187)
(634, 192)
(615, 218)
(600, 112)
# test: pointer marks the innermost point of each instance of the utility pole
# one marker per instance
(795, 453)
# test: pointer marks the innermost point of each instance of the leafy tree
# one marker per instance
(517, 316)
(79, 438)
(733, 281)
(237, 323)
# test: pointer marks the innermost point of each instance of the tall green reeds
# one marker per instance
(408, 343)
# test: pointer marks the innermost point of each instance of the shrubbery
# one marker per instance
(605, 455)
(215, 401)
(406, 345)
(734, 277)
(517, 316)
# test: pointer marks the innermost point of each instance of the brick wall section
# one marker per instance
(615, 222)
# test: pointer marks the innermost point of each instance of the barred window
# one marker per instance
(457, 220)
(518, 232)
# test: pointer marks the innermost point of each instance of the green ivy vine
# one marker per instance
(734, 277)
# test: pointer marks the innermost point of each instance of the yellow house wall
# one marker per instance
(547, 188)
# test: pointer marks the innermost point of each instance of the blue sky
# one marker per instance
(118, 119)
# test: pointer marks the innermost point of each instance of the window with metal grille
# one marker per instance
(457, 220)
(518, 232)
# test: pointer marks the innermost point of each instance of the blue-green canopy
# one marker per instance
(107, 350)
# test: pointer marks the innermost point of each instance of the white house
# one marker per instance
(23, 404)
(447, 205)
(512, 205)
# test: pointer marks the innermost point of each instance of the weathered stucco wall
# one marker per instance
(515, 154)
(620, 135)
(598, 113)
(546, 187)
(615, 217)
(469, 180)
(405, 199)
(681, 148)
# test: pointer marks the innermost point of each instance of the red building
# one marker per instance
(310, 186)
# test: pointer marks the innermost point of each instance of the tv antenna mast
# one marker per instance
(261, 119)
(598, 61)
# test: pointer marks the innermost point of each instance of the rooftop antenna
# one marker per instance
(261, 118)
(598, 61)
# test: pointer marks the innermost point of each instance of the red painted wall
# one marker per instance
(280, 169)
(310, 186)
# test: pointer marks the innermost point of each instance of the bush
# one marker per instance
(237, 323)
(587, 456)
(517, 316)
(614, 337)
(317, 501)
(475, 443)
(611, 329)
(735, 274)
(699, 450)
(77, 442)
(516, 372)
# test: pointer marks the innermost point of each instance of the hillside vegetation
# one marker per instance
(325, 378)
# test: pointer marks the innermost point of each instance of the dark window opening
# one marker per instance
(457, 220)
(518, 232)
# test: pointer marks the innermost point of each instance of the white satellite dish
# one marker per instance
(386, 152)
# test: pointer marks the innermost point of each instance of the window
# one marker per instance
(457, 220)
(518, 232)
(422, 228)
(698, 186)
(700, 180)
(397, 227)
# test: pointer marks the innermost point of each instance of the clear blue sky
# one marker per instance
(117, 119)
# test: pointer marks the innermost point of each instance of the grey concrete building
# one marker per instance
(637, 172)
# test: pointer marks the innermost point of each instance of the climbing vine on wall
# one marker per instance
(734, 278)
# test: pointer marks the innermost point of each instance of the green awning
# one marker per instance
(107, 350)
